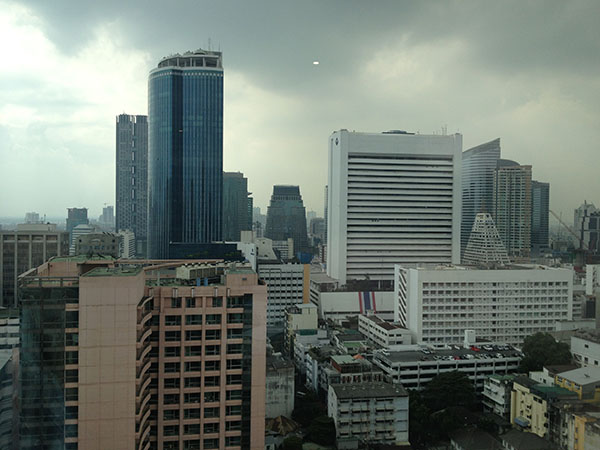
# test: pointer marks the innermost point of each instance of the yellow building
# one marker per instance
(585, 382)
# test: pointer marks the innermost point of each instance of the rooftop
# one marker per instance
(520, 440)
(382, 323)
(114, 272)
(368, 390)
(588, 335)
(475, 440)
(582, 376)
(454, 353)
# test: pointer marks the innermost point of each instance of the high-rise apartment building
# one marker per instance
(132, 178)
(185, 151)
(485, 246)
(540, 211)
(28, 246)
(478, 167)
(237, 206)
(394, 198)
(286, 217)
(140, 357)
(512, 206)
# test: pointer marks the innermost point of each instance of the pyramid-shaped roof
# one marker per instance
(485, 246)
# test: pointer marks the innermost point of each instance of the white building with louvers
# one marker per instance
(505, 305)
(393, 198)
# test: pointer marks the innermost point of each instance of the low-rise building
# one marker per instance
(96, 244)
(369, 412)
(280, 387)
(585, 382)
(585, 348)
(496, 394)
(519, 440)
(299, 317)
(304, 340)
(316, 359)
(382, 333)
(416, 367)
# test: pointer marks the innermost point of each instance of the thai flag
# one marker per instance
(366, 302)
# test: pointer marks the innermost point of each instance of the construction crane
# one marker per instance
(582, 244)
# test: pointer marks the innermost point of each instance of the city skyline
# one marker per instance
(513, 82)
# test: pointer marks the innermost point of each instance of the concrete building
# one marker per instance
(28, 246)
(512, 206)
(478, 166)
(369, 412)
(77, 233)
(9, 423)
(485, 248)
(301, 317)
(383, 334)
(497, 393)
(286, 217)
(237, 206)
(76, 216)
(107, 219)
(287, 285)
(279, 387)
(393, 198)
(317, 227)
(414, 368)
(185, 151)
(32, 217)
(132, 178)
(304, 340)
(587, 227)
(501, 305)
(584, 381)
(585, 348)
(142, 358)
(540, 214)
(127, 244)
(97, 243)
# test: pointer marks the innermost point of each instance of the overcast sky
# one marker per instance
(524, 71)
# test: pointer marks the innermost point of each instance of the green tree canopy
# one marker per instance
(541, 349)
(322, 430)
(449, 389)
(292, 443)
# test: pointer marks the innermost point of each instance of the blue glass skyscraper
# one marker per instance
(185, 151)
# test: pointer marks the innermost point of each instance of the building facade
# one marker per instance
(185, 151)
(97, 243)
(76, 217)
(540, 212)
(383, 334)
(478, 166)
(512, 206)
(393, 198)
(132, 178)
(287, 285)
(286, 217)
(503, 305)
(141, 357)
(237, 206)
(22, 249)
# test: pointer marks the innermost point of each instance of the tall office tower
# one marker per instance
(76, 216)
(485, 246)
(512, 206)
(587, 227)
(394, 198)
(237, 206)
(325, 214)
(24, 248)
(185, 151)
(540, 210)
(134, 357)
(132, 178)
(286, 217)
(478, 167)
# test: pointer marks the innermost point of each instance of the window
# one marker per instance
(235, 394)
(172, 336)
(191, 397)
(210, 413)
(71, 319)
(217, 302)
(212, 365)
(235, 302)
(71, 339)
(170, 445)
(171, 352)
(193, 366)
(194, 350)
(193, 428)
(176, 302)
(211, 443)
(171, 383)
(233, 441)
(171, 367)
(190, 302)
(233, 410)
(172, 320)
(211, 381)
(191, 445)
(171, 414)
(234, 348)
(212, 396)
(71, 357)
(192, 382)
(211, 427)
(234, 333)
(71, 376)
(71, 431)
(213, 335)
(71, 412)
(193, 319)
(235, 318)
(233, 425)
(193, 335)
(212, 350)
(170, 430)
(193, 413)
(234, 379)
(213, 319)
(171, 399)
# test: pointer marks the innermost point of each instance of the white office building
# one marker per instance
(506, 305)
(585, 348)
(285, 288)
(383, 334)
(369, 412)
(393, 198)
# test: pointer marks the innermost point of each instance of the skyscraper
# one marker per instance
(485, 246)
(478, 166)
(286, 217)
(237, 206)
(185, 151)
(76, 216)
(540, 209)
(512, 206)
(132, 178)
(394, 198)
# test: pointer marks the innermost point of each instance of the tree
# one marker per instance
(449, 389)
(292, 443)
(322, 430)
(541, 349)
(307, 407)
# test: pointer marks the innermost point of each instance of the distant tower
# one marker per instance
(237, 206)
(478, 167)
(286, 217)
(185, 151)
(75, 217)
(485, 246)
(512, 206)
(132, 178)
(540, 209)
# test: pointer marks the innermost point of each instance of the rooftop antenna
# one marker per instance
(209, 44)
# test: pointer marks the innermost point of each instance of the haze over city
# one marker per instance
(524, 72)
